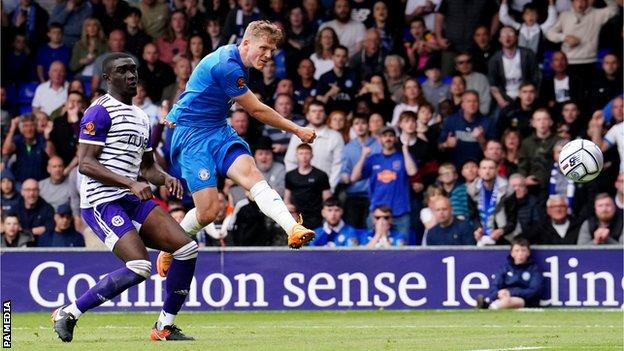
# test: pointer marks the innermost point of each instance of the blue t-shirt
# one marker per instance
(217, 79)
(31, 159)
(46, 55)
(395, 238)
(344, 237)
(460, 232)
(388, 182)
(467, 145)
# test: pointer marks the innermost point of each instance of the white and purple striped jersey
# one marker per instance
(123, 130)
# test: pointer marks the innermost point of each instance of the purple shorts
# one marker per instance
(111, 220)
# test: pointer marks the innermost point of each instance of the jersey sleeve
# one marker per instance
(611, 136)
(94, 126)
(232, 79)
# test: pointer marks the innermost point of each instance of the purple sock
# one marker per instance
(110, 286)
(178, 284)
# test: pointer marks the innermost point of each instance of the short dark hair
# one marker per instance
(106, 64)
(304, 146)
(342, 47)
(55, 25)
(530, 6)
(133, 11)
(471, 91)
(527, 83)
(361, 116)
(332, 202)
(317, 103)
(520, 242)
(383, 208)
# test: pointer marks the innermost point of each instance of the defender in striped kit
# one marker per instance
(113, 151)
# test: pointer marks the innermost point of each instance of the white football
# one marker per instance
(580, 160)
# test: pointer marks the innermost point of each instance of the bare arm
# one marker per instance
(8, 147)
(410, 165)
(151, 171)
(287, 197)
(356, 173)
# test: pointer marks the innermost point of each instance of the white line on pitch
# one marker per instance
(515, 348)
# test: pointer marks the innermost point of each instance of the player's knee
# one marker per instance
(186, 252)
(207, 215)
(140, 267)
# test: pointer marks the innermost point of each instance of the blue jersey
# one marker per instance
(388, 182)
(217, 79)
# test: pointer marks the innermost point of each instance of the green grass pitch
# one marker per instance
(548, 329)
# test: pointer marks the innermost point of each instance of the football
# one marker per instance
(580, 160)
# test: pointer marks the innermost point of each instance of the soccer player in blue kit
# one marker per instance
(204, 146)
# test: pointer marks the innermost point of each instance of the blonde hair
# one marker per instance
(84, 40)
(257, 29)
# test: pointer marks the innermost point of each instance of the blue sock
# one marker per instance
(178, 284)
(110, 286)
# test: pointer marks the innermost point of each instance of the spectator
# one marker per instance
(30, 19)
(337, 88)
(559, 228)
(457, 195)
(145, 103)
(266, 86)
(561, 86)
(334, 232)
(284, 105)
(239, 18)
(111, 13)
(300, 39)
(448, 230)
(482, 49)
(380, 21)
(10, 197)
(464, 134)
(491, 213)
(558, 183)
(29, 148)
(58, 189)
(116, 43)
(350, 33)
(607, 84)
(305, 84)
(382, 235)
(155, 73)
(394, 66)
(427, 217)
(424, 45)
(423, 9)
(517, 115)
(13, 235)
(239, 120)
(370, 59)
(89, 47)
(63, 138)
(54, 50)
(64, 234)
(569, 122)
(604, 226)
(509, 67)
(375, 92)
(413, 97)
(155, 16)
(531, 32)
(357, 201)
(172, 45)
(252, 228)
(307, 187)
(136, 38)
(387, 173)
(182, 70)
(529, 208)
(474, 81)
(71, 14)
(578, 30)
(337, 121)
(195, 51)
(17, 63)
(214, 36)
(456, 90)
(314, 14)
(324, 45)
(196, 16)
(511, 149)
(327, 153)
(469, 171)
(434, 89)
(35, 215)
(51, 94)
(517, 284)
(375, 123)
(535, 157)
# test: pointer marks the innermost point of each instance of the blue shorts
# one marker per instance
(111, 220)
(202, 154)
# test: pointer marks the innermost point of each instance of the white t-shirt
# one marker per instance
(513, 74)
(350, 34)
(400, 108)
(561, 229)
(615, 136)
(48, 99)
(562, 89)
(429, 18)
(321, 65)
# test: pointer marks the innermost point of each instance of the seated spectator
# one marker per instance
(434, 89)
(388, 175)
(182, 70)
(509, 67)
(172, 44)
(63, 138)
(482, 50)
(535, 157)
(155, 73)
(370, 58)
(71, 14)
(529, 207)
(29, 148)
(307, 187)
(531, 33)
(517, 284)
(350, 32)
(64, 234)
(493, 215)
(327, 154)
(334, 232)
(155, 15)
(394, 67)
(464, 134)
(35, 215)
(54, 50)
(252, 228)
(10, 197)
(561, 86)
(604, 226)
(607, 83)
(426, 216)
(517, 115)
(12, 233)
(58, 190)
(474, 80)
(337, 87)
(382, 235)
(448, 230)
(448, 180)
(51, 94)
(559, 228)
(136, 38)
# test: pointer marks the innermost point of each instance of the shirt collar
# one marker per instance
(328, 229)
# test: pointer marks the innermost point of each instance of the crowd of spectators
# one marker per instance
(438, 122)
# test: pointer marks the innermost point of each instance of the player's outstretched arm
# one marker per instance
(267, 115)
(151, 171)
(90, 166)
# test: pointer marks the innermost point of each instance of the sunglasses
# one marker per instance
(383, 217)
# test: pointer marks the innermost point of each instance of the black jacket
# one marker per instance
(528, 63)
(545, 234)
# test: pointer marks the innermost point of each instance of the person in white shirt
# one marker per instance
(326, 41)
(531, 32)
(422, 8)
(52, 94)
(350, 33)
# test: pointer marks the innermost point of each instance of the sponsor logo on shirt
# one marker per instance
(89, 128)
(386, 176)
(240, 82)
(203, 174)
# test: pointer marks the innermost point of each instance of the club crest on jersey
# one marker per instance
(118, 221)
(89, 128)
(240, 82)
(203, 174)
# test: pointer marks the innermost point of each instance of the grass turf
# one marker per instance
(337, 330)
